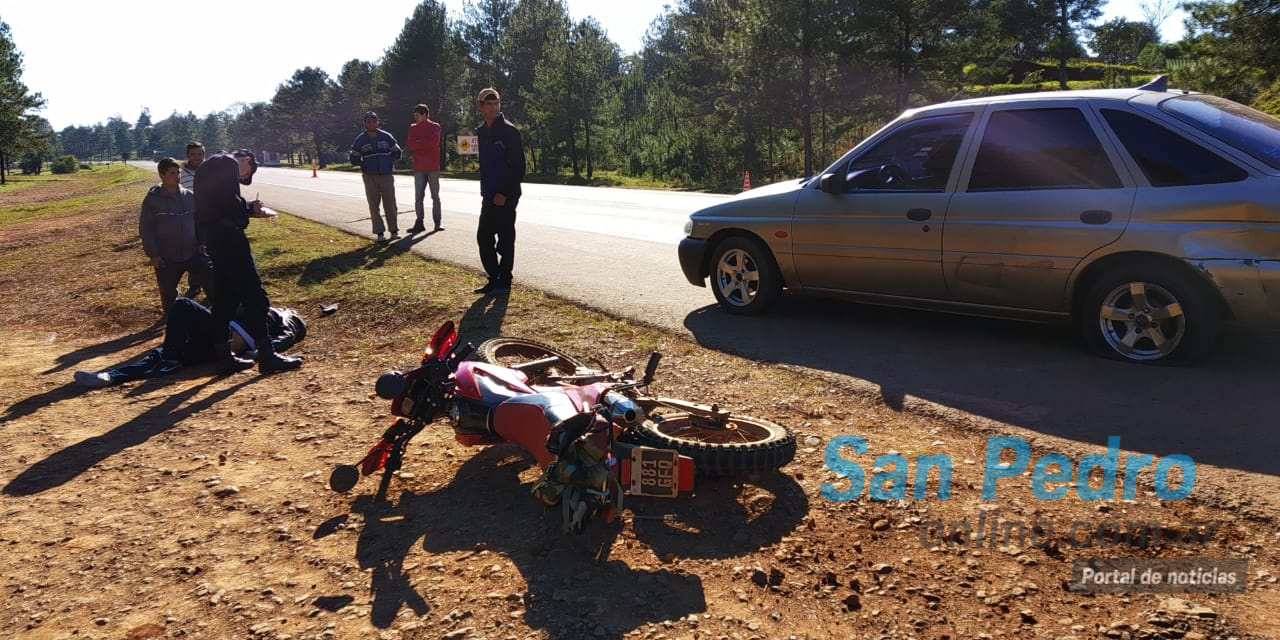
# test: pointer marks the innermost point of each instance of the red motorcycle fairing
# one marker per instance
(527, 420)
(441, 342)
(478, 388)
(490, 383)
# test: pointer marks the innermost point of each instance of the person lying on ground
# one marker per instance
(189, 338)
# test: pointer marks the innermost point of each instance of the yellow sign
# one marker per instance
(468, 145)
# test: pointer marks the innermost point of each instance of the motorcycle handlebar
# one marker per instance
(461, 352)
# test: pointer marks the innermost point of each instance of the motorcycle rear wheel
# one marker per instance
(742, 445)
(510, 352)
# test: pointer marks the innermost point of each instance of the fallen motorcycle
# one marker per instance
(595, 433)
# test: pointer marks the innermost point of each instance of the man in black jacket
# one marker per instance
(189, 338)
(222, 215)
(501, 171)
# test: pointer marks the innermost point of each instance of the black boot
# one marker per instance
(227, 361)
(270, 362)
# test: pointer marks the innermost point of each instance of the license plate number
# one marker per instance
(655, 472)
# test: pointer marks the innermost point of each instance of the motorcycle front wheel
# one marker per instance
(515, 352)
(737, 446)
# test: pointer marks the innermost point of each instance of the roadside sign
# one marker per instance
(468, 145)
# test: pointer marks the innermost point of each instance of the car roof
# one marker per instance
(1120, 95)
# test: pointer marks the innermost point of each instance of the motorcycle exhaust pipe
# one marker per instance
(624, 411)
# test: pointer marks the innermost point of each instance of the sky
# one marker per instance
(95, 59)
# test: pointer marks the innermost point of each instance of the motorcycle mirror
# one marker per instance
(390, 385)
(344, 477)
(652, 367)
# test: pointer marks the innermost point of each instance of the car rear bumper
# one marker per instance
(1251, 288)
(693, 252)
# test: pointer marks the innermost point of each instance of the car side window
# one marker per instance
(1166, 158)
(918, 156)
(1050, 148)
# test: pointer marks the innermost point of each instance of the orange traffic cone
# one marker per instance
(313, 168)
(746, 180)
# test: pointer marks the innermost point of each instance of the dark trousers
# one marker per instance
(496, 236)
(169, 275)
(236, 284)
(190, 333)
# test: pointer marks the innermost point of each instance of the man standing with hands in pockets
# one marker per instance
(424, 142)
(223, 214)
(501, 170)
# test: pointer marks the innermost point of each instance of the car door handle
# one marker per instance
(1095, 216)
(919, 215)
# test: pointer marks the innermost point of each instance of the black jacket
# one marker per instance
(218, 201)
(501, 159)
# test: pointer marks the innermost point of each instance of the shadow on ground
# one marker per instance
(65, 465)
(123, 343)
(1029, 375)
(487, 508)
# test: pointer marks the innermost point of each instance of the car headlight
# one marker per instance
(688, 227)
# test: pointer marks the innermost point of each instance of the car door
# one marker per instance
(1041, 190)
(881, 232)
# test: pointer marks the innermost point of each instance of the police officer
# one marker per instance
(223, 215)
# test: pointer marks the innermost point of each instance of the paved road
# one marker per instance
(614, 249)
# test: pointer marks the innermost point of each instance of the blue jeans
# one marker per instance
(421, 179)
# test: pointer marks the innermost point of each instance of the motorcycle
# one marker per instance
(596, 434)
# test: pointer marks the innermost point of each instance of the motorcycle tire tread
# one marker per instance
(488, 352)
(714, 459)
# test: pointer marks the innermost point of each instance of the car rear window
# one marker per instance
(1052, 148)
(1166, 158)
(1244, 128)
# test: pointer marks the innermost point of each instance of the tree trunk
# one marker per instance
(573, 153)
(806, 93)
(3, 164)
(1064, 33)
(587, 134)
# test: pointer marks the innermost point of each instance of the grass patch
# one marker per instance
(59, 195)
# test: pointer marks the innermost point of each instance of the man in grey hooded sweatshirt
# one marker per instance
(167, 225)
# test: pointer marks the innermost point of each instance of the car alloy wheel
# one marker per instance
(737, 277)
(1142, 321)
(744, 277)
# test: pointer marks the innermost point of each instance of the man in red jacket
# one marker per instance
(424, 142)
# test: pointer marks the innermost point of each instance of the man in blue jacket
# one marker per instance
(222, 215)
(376, 151)
(501, 170)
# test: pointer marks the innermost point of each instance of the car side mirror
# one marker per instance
(832, 183)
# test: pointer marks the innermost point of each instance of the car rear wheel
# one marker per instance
(1150, 314)
(744, 276)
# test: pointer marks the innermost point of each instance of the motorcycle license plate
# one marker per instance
(654, 472)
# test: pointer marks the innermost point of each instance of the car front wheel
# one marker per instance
(744, 276)
(1149, 314)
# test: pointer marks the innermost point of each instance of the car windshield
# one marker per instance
(1244, 128)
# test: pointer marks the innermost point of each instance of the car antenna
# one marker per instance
(1159, 83)
(959, 91)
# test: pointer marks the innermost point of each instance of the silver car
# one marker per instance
(1146, 216)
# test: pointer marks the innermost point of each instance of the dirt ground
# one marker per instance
(197, 506)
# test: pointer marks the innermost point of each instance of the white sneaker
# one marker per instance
(90, 379)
